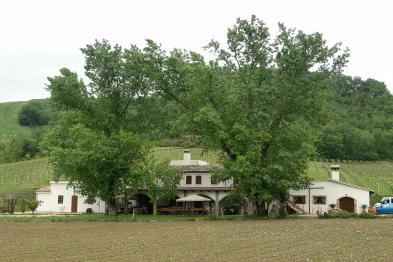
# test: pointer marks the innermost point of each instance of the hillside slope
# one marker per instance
(23, 178)
(9, 120)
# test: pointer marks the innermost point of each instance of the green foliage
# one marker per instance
(94, 142)
(95, 164)
(34, 113)
(254, 102)
(361, 121)
(345, 214)
(33, 205)
(11, 148)
(159, 179)
(19, 142)
(23, 206)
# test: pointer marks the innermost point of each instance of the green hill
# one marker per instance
(9, 120)
(23, 178)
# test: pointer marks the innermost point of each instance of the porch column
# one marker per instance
(217, 205)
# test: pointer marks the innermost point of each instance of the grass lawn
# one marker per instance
(246, 240)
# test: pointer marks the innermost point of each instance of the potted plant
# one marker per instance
(332, 207)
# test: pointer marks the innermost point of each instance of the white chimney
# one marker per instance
(335, 172)
(187, 156)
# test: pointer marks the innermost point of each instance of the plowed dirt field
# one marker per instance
(252, 240)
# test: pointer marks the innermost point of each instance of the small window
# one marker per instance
(299, 199)
(319, 200)
(198, 180)
(188, 180)
(60, 199)
(213, 181)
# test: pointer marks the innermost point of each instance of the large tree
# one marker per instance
(91, 143)
(255, 101)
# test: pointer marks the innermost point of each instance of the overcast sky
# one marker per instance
(39, 37)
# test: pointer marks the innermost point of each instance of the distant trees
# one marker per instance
(34, 113)
(361, 121)
(11, 148)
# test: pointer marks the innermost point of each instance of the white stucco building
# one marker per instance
(320, 194)
(60, 198)
(198, 180)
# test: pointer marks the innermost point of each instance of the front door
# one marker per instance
(347, 204)
(74, 204)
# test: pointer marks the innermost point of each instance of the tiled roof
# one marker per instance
(44, 189)
(197, 168)
(210, 188)
(345, 184)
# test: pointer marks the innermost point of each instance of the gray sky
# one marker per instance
(39, 37)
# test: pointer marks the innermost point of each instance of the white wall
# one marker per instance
(50, 204)
(333, 192)
(206, 181)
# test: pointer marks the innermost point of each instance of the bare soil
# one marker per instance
(259, 240)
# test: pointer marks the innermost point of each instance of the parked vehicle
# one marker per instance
(385, 206)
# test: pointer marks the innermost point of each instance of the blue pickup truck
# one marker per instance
(385, 206)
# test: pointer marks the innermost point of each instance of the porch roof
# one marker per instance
(193, 198)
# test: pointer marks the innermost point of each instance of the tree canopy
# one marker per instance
(267, 103)
(255, 101)
(360, 121)
(91, 143)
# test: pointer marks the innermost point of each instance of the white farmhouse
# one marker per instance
(60, 198)
(198, 180)
(320, 194)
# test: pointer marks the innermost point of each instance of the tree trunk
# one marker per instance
(110, 207)
(261, 209)
(155, 208)
(250, 208)
(283, 209)
(125, 203)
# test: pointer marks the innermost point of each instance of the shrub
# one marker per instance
(345, 214)
(33, 204)
(89, 211)
(23, 206)
(367, 215)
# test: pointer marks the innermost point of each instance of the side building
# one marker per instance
(58, 197)
(320, 195)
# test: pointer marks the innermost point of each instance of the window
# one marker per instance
(198, 180)
(60, 199)
(188, 180)
(319, 200)
(299, 199)
(213, 181)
